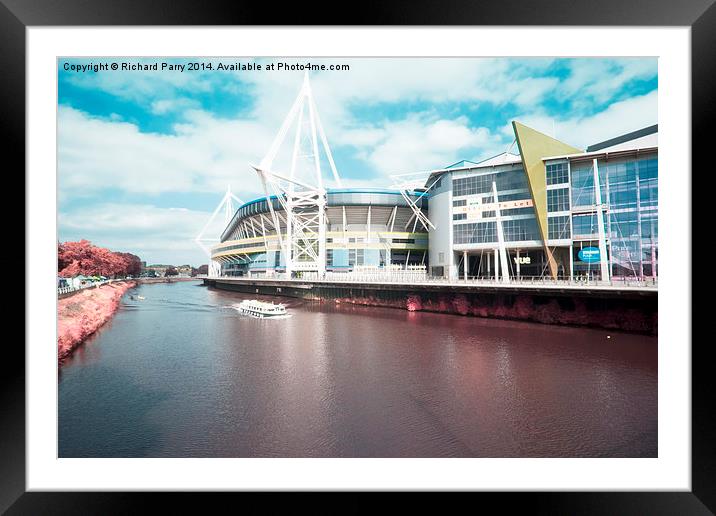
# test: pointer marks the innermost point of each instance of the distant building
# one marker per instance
(157, 269)
(184, 270)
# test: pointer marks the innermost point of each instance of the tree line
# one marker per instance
(83, 258)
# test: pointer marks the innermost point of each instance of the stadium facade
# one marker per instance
(529, 213)
(364, 229)
(547, 213)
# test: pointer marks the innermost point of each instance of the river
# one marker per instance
(183, 374)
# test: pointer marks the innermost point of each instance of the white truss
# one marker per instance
(407, 183)
(204, 242)
(301, 195)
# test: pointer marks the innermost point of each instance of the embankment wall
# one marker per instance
(618, 309)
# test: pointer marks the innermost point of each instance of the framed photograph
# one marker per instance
(389, 257)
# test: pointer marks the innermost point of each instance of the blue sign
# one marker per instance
(589, 254)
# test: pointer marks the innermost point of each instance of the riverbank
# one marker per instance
(172, 279)
(84, 313)
(614, 308)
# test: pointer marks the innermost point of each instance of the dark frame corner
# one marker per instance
(700, 15)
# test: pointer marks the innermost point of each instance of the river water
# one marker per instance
(183, 374)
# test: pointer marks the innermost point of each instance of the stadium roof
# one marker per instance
(643, 138)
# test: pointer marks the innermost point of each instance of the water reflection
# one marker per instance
(351, 381)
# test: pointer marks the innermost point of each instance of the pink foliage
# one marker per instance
(414, 303)
(79, 316)
(75, 258)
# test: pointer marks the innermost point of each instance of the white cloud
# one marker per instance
(154, 234)
(421, 143)
(204, 155)
(164, 106)
(619, 118)
(598, 80)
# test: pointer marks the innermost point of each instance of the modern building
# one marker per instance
(529, 213)
(539, 209)
(523, 214)
(365, 228)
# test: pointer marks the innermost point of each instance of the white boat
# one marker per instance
(261, 309)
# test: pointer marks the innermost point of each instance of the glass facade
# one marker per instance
(521, 230)
(629, 194)
(518, 223)
(558, 227)
(558, 200)
(557, 173)
(629, 188)
(514, 230)
(475, 233)
(633, 221)
(509, 180)
(583, 184)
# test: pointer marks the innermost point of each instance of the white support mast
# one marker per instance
(204, 242)
(302, 196)
(600, 224)
(407, 184)
(500, 236)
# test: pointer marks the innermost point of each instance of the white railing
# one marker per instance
(420, 276)
(67, 290)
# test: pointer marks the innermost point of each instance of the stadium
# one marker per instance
(364, 229)
(530, 212)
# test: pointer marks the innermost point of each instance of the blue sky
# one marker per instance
(145, 156)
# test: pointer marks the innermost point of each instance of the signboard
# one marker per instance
(474, 207)
(589, 254)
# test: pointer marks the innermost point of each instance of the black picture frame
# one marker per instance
(17, 15)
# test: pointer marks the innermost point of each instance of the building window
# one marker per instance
(475, 233)
(624, 224)
(558, 200)
(585, 225)
(520, 230)
(649, 228)
(583, 184)
(558, 227)
(510, 197)
(648, 169)
(513, 211)
(441, 257)
(557, 173)
(459, 202)
(508, 180)
(459, 216)
(648, 192)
